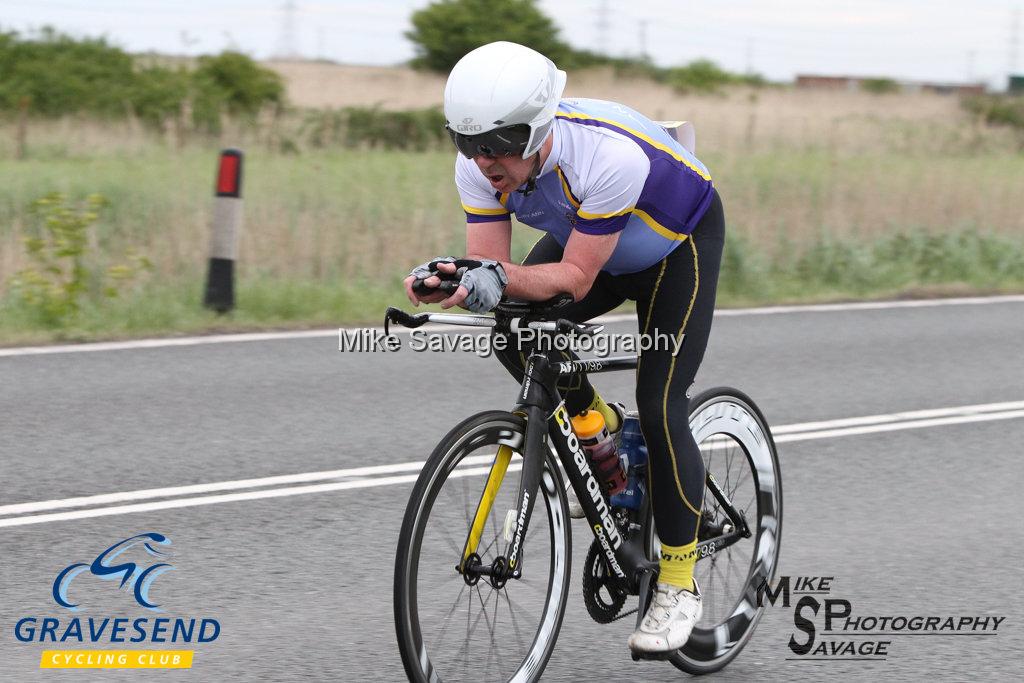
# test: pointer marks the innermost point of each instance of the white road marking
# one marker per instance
(898, 417)
(368, 477)
(897, 426)
(234, 497)
(167, 492)
(619, 317)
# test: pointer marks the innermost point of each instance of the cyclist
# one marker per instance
(629, 214)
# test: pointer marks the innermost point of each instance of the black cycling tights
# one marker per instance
(674, 296)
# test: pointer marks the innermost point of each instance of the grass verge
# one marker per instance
(913, 264)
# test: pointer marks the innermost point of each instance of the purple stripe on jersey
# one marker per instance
(677, 201)
(601, 226)
(476, 218)
(674, 195)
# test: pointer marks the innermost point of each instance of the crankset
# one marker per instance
(601, 594)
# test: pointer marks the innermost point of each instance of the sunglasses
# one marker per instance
(500, 142)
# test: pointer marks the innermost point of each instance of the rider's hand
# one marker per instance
(431, 298)
(423, 272)
(480, 287)
(459, 295)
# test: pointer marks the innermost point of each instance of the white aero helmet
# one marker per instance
(500, 100)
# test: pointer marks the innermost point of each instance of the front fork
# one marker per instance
(504, 568)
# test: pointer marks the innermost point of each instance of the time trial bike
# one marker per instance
(483, 565)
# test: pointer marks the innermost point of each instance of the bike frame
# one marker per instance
(541, 403)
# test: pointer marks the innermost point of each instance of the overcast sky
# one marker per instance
(945, 40)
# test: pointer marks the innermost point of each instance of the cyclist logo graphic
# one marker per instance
(132, 576)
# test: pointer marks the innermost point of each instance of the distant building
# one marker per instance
(855, 83)
(1015, 86)
(828, 82)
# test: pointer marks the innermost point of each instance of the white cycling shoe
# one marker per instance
(669, 621)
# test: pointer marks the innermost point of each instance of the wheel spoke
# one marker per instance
(465, 503)
(515, 622)
(743, 477)
(447, 617)
(446, 536)
(491, 625)
(493, 645)
(753, 497)
(728, 467)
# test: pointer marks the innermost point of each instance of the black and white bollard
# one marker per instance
(224, 233)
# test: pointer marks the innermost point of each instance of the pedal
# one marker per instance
(652, 656)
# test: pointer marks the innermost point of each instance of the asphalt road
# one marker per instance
(921, 521)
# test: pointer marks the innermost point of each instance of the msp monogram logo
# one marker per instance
(831, 629)
(132, 576)
(132, 566)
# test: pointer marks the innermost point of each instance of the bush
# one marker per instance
(62, 272)
(997, 110)
(414, 130)
(236, 84)
(879, 86)
(701, 75)
(60, 75)
(444, 31)
(158, 93)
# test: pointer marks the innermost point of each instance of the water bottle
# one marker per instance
(600, 448)
(633, 450)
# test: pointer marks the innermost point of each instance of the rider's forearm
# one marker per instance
(545, 280)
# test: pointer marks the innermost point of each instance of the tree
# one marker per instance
(445, 31)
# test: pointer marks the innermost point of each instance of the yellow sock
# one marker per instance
(611, 418)
(677, 563)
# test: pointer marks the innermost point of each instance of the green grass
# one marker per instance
(328, 233)
(160, 309)
(914, 264)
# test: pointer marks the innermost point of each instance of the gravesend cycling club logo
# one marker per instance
(849, 635)
(132, 575)
(132, 566)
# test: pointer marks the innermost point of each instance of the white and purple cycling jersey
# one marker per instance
(611, 169)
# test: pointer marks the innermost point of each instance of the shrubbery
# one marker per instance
(413, 130)
(879, 86)
(446, 30)
(64, 269)
(54, 75)
(997, 110)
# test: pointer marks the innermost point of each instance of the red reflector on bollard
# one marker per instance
(229, 176)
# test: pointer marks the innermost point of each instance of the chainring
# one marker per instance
(603, 599)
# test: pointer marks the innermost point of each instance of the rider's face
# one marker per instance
(505, 173)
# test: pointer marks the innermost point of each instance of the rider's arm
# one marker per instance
(491, 240)
(583, 257)
(607, 204)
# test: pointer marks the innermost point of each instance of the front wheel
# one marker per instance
(739, 452)
(455, 625)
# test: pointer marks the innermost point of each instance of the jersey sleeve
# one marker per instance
(617, 177)
(479, 201)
